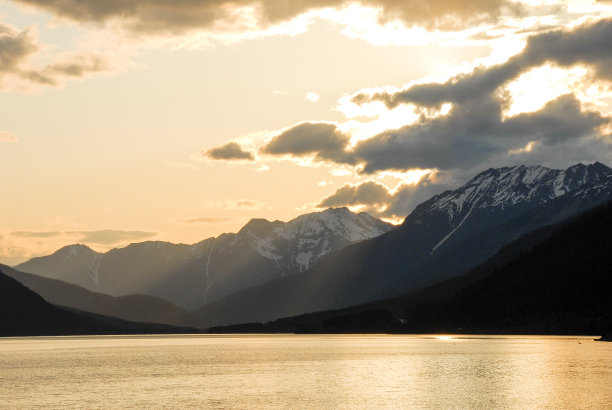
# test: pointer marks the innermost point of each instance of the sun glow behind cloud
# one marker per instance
(410, 177)
(364, 23)
(533, 89)
(244, 27)
(386, 120)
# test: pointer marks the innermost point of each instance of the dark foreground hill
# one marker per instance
(556, 280)
(24, 313)
(135, 308)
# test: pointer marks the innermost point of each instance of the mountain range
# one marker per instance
(325, 260)
(443, 237)
(554, 280)
(193, 275)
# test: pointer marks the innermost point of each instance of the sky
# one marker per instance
(125, 121)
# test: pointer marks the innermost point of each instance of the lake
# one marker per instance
(306, 371)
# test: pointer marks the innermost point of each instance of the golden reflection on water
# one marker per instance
(444, 337)
(304, 371)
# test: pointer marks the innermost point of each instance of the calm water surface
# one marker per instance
(295, 371)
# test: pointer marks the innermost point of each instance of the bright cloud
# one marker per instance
(312, 97)
(6, 136)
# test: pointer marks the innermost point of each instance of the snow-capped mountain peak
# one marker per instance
(337, 221)
(518, 188)
(511, 186)
(296, 244)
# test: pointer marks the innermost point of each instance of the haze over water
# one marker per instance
(303, 371)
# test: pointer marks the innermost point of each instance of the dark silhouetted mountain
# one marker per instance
(555, 280)
(135, 308)
(443, 237)
(191, 275)
(24, 313)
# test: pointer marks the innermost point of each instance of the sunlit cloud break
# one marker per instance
(6, 136)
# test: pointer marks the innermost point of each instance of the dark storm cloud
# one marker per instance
(589, 45)
(558, 121)
(474, 132)
(231, 151)
(322, 139)
(178, 16)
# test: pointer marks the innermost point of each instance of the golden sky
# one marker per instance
(154, 120)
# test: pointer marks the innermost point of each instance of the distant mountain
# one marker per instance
(135, 308)
(24, 313)
(555, 280)
(191, 275)
(443, 237)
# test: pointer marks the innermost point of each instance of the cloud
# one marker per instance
(239, 204)
(464, 122)
(368, 193)
(231, 151)
(68, 66)
(559, 120)
(162, 16)
(6, 136)
(475, 130)
(111, 236)
(323, 140)
(12, 254)
(205, 220)
(312, 97)
(15, 47)
(244, 204)
(588, 44)
(105, 237)
(380, 201)
(31, 234)
(78, 65)
(18, 47)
